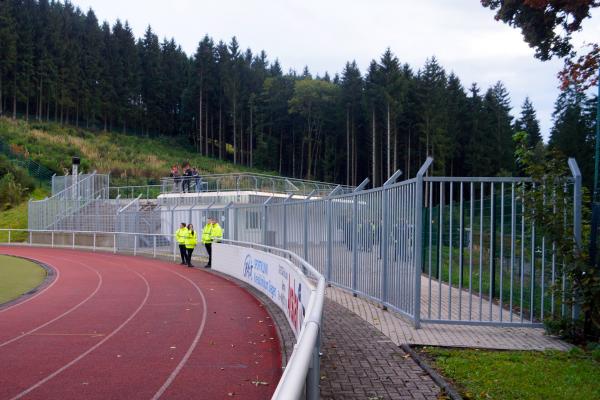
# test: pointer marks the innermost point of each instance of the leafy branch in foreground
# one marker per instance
(551, 211)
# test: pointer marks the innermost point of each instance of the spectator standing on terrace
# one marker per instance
(197, 179)
(187, 178)
(190, 243)
(175, 175)
(212, 231)
(181, 235)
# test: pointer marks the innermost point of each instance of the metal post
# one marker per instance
(306, 229)
(115, 243)
(94, 241)
(173, 231)
(9, 236)
(354, 244)
(576, 219)
(329, 240)
(362, 185)
(384, 241)
(285, 246)
(30, 238)
(313, 377)
(135, 244)
(52, 236)
(576, 201)
(73, 246)
(418, 248)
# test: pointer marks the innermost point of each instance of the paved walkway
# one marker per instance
(359, 362)
(400, 331)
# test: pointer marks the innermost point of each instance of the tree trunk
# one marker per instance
(242, 138)
(206, 130)
(293, 154)
(280, 151)
(14, 116)
(354, 156)
(199, 141)
(395, 149)
(388, 150)
(234, 134)
(220, 132)
(212, 136)
(251, 138)
(348, 162)
(408, 156)
(1, 97)
(374, 152)
(40, 106)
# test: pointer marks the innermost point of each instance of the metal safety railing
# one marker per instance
(237, 182)
(149, 244)
(302, 373)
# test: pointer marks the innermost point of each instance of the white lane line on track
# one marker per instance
(38, 293)
(100, 281)
(188, 353)
(100, 343)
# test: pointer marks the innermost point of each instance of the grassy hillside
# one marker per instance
(128, 158)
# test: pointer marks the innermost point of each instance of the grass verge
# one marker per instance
(17, 277)
(488, 374)
(16, 218)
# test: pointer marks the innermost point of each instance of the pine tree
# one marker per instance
(529, 123)
(8, 52)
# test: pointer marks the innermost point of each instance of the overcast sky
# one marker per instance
(324, 34)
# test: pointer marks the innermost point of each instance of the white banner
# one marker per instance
(274, 276)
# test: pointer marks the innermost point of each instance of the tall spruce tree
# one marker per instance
(529, 123)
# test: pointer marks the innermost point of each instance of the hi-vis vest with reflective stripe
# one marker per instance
(211, 231)
(191, 240)
(181, 234)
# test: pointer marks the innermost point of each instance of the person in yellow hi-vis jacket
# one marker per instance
(212, 231)
(180, 235)
(190, 243)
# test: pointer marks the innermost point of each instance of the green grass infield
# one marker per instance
(17, 277)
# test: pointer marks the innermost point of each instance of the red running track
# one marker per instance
(121, 327)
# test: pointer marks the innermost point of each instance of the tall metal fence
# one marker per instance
(435, 249)
(68, 203)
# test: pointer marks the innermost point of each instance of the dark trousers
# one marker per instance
(189, 257)
(183, 253)
(209, 251)
(186, 184)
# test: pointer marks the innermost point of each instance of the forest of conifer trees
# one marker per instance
(60, 64)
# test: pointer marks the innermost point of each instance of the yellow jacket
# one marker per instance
(211, 231)
(181, 234)
(191, 239)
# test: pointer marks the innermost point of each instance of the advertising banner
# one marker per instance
(274, 276)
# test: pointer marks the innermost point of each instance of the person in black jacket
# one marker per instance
(187, 178)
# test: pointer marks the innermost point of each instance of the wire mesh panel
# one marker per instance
(483, 258)
(400, 246)
(368, 251)
(343, 240)
(47, 213)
